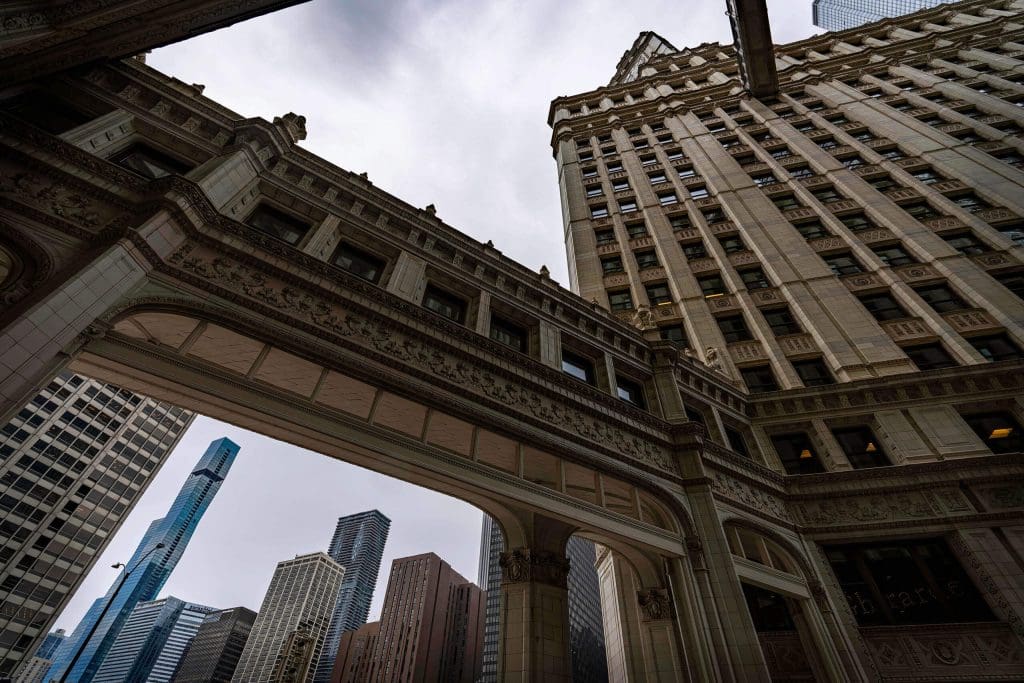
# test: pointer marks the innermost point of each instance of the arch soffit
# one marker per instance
(794, 554)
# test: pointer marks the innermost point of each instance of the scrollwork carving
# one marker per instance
(655, 604)
(522, 565)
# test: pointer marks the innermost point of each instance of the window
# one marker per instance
(668, 198)
(754, 278)
(800, 172)
(586, 156)
(843, 264)
(734, 328)
(882, 307)
(621, 300)
(781, 321)
(577, 366)
(665, 139)
(1012, 281)
(713, 216)
(892, 154)
(589, 172)
(605, 236)
(613, 166)
(627, 206)
(966, 243)
(646, 259)
(697, 192)
(640, 144)
(883, 183)
(812, 230)
(675, 334)
(813, 372)
(45, 111)
(864, 137)
(444, 303)
(766, 179)
(711, 285)
(594, 191)
(692, 250)
(927, 176)
(941, 298)
(861, 447)
(686, 172)
(599, 211)
(759, 379)
(894, 255)
(781, 153)
(1000, 431)
(358, 262)
(828, 143)
(636, 229)
(856, 222)
(149, 162)
(972, 203)
(827, 196)
(620, 185)
(852, 162)
(648, 160)
(805, 127)
(277, 224)
(1014, 232)
(996, 347)
(508, 333)
(737, 442)
(797, 453)
(680, 222)
(658, 293)
(929, 356)
(608, 151)
(731, 245)
(906, 582)
(630, 391)
(657, 178)
(786, 202)
(611, 264)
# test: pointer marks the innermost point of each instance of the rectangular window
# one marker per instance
(800, 172)
(590, 172)
(713, 216)
(827, 196)
(594, 191)
(1000, 431)
(657, 178)
(694, 250)
(929, 356)
(577, 366)
(697, 192)
(941, 298)
(613, 166)
(966, 243)
(927, 176)
(646, 259)
(972, 203)
(604, 236)
(734, 328)
(444, 303)
(737, 442)
(358, 262)
(611, 264)
(813, 372)
(686, 172)
(781, 153)
(883, 306)
(620, 185)
(759, 379)
(920, 210)
(270, 221)
(636, 229)
(996, 347)
(856, 222)
(797, 453)
(630, 391)
(884, 183)
(1012, 281)
(786, 202)
(781, 321)
(711, 285)
(754, 278)
(1014, 232)
(675, 334)
(811, 230)
(658, 293)
(149, 162)
(731, 245)
(668, 198)
(621, 300)
(599, 211)
(508, 333)
(764, 179)
(852, 162)
(894, 255)
(843, 264)
(680, 222)
(628, 206)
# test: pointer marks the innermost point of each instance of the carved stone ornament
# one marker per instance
(292, 125)
(521, 565)
(642, 318)
(654, 604)
(711, 358)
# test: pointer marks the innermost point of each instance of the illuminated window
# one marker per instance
(861, 447)
(797, 453)
(1000, 431)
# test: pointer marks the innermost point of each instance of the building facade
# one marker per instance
(149, 567)
(294, 616)
(840, 15)
(213, 654)
(150, 645)
(34, 670)
(357, 545)
(73, 462)
(354, 662)
(586, 631)
(431, 626)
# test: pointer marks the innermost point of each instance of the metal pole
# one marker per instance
(103, 613)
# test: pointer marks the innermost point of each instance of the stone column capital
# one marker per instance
(655, 604)
(523, 565)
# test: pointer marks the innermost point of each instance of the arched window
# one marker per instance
(757, 548)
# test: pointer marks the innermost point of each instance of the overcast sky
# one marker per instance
(441, 103)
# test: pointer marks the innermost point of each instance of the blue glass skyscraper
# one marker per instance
(150, 567)
(357, 545)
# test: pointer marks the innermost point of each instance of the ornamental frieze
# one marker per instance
(729, 488)
(523, 565)
(882, 508)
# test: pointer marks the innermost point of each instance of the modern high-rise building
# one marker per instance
(150, 645)
(73, 463)
(431, 625)
(586, 631)
(213, 654)
(34, 670)
(149, 567)
(354, 662)
(299, 602)
(357, 545)
(839, 15)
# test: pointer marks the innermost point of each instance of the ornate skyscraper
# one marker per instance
(149, 566)
(73, 460)
(839, 15)
(357, 545)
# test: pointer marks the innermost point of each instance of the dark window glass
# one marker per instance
(149, 162)
(906, 582)
(675, 334)
(668, 198)
(929, 356)
(613, 166)
(630, 391)
(759, 379)
(764, 179)
(928, 176)
(883, 306)
(579, 367)
(786, 202)
(861, 447)
(1000, 431)
(893, 154)
(694, 250)
(941, 298)
(45, 111)
(508, 333)
(358, 262)
(813, 372)
(1015, 232)
(646, 259)
(827, 196)
(971, 202)
(680, 222)
(812, 230)
(278, 224)
(781, 321)
(852, 162)
(754, 278)
(996, 347)
(621, 300)
(884, 183)
(769, 611)
(856, 222)
(780, 153)
(737, 442)
(1013, 282)
(894, 255)
(797, 453)
(657, 178)
(605, 236)
(710, 285)
(590, 172)
(733, 328)
(636, 229)
(628, 206)
(801, 172)
(611, 264)
(919, 210)
(843, 264)
(966, 243)
(713, 216)
(444, 303)
(686, 172)
(599, 211)
(697, 192)
(658, 293)
(594, 190)
(732, 244)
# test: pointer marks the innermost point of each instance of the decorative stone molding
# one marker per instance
(655, 604)
(523, 565)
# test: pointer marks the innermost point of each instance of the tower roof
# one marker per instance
(646, 45)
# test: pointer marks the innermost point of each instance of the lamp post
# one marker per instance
(103, 613)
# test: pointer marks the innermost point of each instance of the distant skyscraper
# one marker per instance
(586, 632)
(150, 567)
(152, 641)
(431, 626)
(838, 15)
(354, 663)
(213, 654)
(358, 546)
(301, 598)
(73, 462)
(34, 670)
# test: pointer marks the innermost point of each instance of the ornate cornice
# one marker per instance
(524, 565)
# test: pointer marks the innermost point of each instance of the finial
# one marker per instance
(431, 209)
(544, 272)
(292, 125)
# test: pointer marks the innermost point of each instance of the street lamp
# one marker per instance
(96, 624)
